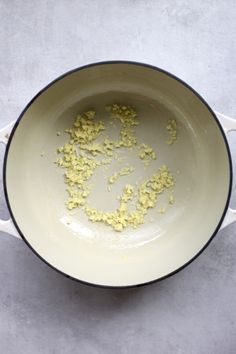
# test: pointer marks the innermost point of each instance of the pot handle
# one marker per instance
(7, 225)
(228, 124)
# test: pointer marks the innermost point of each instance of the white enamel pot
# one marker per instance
(90, 252)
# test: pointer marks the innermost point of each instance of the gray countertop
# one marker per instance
(193, 312)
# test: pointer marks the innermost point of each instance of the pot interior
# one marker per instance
(93, 252)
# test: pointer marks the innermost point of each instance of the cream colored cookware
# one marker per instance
(91, 252)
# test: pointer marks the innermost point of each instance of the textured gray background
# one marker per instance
(193, 312)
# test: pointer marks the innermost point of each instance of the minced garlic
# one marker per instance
(172, 130)
(146, 153)
(123, 172)
(85, 129)
(128, 119)
(147, 198)
(83, 154)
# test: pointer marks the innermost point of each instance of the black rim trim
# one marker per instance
(105, 63)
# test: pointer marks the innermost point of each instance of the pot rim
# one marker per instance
(108, 63)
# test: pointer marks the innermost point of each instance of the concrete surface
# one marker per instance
(193, 312)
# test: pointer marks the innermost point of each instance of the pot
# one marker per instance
(92, 252)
